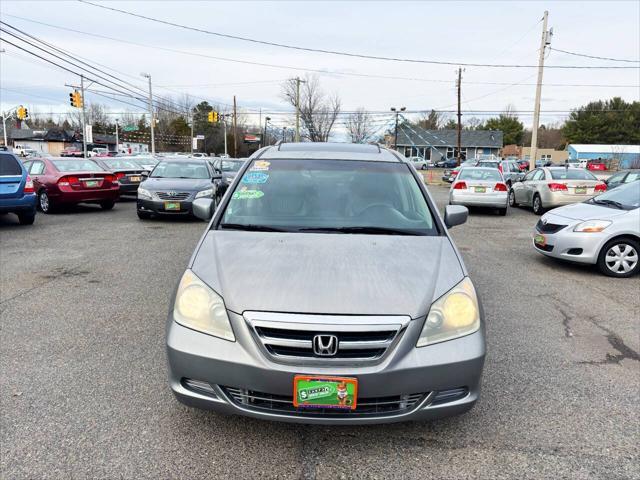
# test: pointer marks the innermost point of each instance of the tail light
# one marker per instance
(500, 187)
(118, 176)
(28, 186)
(601, 187)
(454, 173)
(460, 186)
(558, 187)
(68, 180)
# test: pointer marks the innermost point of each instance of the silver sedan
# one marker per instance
(479, 187)
(545, 188)
(604, 230)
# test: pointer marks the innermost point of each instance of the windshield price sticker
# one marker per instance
(244, 194)
(260, 165)
(255, 178)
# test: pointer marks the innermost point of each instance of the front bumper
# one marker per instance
(573, 246)
(226, 367)
(491, 200)
(157, 207)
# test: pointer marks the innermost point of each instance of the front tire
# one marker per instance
(107, 204)
(538, 209)
(423, 167)
(620, 258)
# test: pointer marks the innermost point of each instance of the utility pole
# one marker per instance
(153, 121)
(84, 118)
(192, 122)
(459, 157)
(264, 136)
(117, 139)
(546, 40)
(284, 134)
(235, 128)
(4, 129)
(397, 112)
(298, 82)
(224, 123)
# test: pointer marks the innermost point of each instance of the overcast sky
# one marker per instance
(478, 32)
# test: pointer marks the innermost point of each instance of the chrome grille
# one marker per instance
(548, 227)
(290, 337)
(173, 195)
(373, 406)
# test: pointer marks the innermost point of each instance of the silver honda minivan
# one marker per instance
(326, 289)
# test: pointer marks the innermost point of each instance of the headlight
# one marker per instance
(142, 193)
(592, 226)
(200, 308)
(205, 193)
(453, 315)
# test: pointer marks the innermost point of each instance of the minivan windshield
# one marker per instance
(334, 196)
(181, 169)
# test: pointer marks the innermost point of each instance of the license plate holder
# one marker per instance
(91, 183)
(480, 189)
(135, 179)
(311, 391)
(172, 206)
(581, 190)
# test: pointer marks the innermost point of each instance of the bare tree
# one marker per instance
(318, 111)
(431, 121)
(360, 126)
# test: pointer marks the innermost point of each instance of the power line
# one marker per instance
(594, 56)
(302, 69)
(335, 52)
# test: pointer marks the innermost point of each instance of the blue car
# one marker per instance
(17, 194)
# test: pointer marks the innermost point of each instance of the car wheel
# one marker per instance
(143, 215)
(26, 218)
(44, 202)
(538, 209)
(620, 258)
(423, 167)
(512, 198)
(502, 212)
(107, 204)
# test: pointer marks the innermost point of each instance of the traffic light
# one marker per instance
(75, 99)
(21, 113)
(210, 117)
(26, 113)
(215, 117)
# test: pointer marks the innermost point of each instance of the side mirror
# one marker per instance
(145, 174)
(455, 215)
(216, 176)
(203, 208)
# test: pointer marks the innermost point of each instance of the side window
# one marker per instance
(9, 165)
(632, 177)
(539, 175)
(515, 168)
(529, 176)
(617, 177)
(37, 168)
(27, 165)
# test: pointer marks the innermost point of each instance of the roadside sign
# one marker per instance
(130, 128)
(194, 143)
(88, 133)
(199, 137)
(249, 138)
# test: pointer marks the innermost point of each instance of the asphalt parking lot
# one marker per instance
(83, 390)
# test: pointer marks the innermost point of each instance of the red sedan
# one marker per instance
(59, 181)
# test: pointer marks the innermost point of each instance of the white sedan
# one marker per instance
(604, 231)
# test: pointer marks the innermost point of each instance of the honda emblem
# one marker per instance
(325, 345)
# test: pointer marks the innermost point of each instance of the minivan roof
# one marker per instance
(333, 151)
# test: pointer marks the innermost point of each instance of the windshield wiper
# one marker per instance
(251, 228)
(608, 202)
(370, 230)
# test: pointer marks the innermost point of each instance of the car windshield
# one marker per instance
(571, 174)
(341, 196)
(626, 197)
(120, 163)
(77, 165)
(489, 164)
(480, 174)
(231, 165)
(181, 169)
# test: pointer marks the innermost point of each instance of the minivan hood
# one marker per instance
(587, 211)
(327, 273)
(183, 184)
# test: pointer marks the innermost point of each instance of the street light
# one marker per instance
(153, 143)
(397, 112)
(264, 136)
